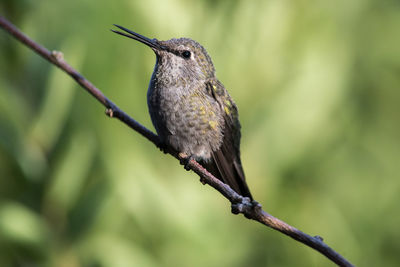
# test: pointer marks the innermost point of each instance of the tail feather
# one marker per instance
(229, 172)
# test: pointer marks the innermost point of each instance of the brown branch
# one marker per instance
(240, 204)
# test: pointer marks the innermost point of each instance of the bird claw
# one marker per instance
(184, 160)
(163, 147)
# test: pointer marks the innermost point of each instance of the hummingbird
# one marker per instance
(191, 110)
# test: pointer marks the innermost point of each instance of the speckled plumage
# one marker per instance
(192, 111)
(184, 113)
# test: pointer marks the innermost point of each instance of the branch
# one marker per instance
(240, 204)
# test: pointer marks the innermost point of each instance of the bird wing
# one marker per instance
(226, 164)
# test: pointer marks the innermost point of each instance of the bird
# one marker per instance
(191, 110)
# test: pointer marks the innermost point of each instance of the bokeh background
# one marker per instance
(317, 84)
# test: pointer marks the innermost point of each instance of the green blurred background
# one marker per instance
(317, 84)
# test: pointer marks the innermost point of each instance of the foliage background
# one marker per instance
(317, 85)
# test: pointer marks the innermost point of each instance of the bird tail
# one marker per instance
(229, 172)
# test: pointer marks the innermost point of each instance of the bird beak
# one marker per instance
(153, 43)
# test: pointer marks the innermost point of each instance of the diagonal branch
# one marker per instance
(240, 204)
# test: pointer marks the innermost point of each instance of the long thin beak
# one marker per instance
(153, 43)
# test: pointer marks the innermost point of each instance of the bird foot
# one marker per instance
(184, 160)
(163, 147)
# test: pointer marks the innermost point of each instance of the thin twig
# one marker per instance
(251, 210)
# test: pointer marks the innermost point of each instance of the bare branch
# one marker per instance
(251, 210)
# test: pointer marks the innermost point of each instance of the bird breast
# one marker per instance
(187, 119)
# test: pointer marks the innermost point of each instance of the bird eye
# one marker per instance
(186, 54)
